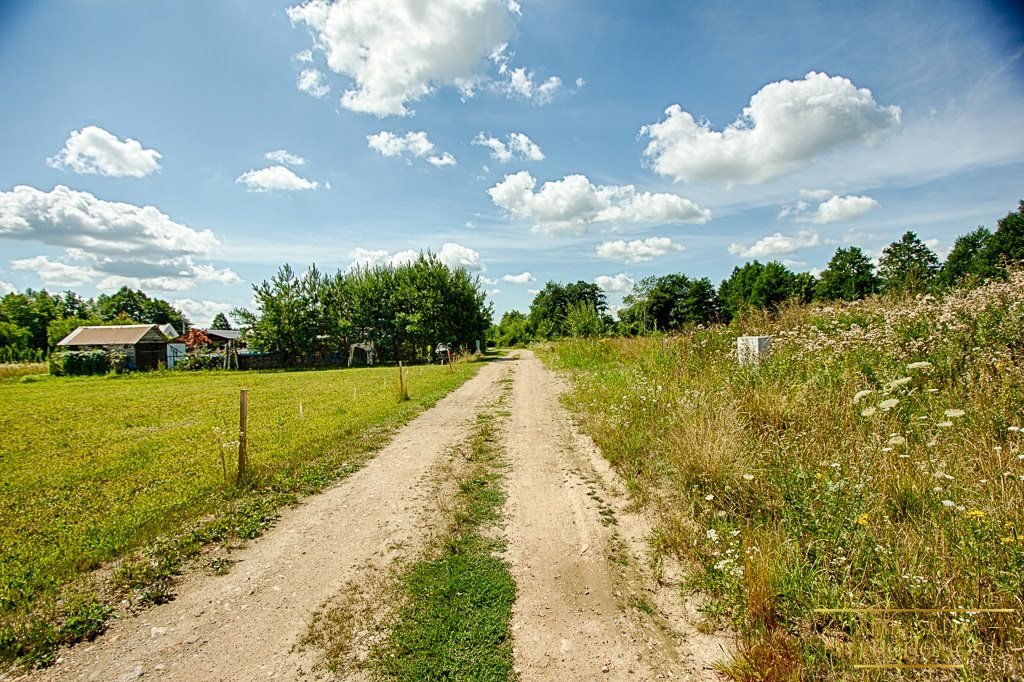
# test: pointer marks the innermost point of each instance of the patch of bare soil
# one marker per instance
(245, 625)
(589, 605)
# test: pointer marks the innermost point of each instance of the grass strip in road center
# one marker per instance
(454, 622)
(447, 615)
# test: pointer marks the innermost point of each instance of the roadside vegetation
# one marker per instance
(677, 301)
(875, 460)
(452, 608)
(111, 483)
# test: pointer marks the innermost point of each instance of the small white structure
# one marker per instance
(753, 349)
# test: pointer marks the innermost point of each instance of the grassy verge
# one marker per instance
(110, 484)
(453, 608)
(874, 461)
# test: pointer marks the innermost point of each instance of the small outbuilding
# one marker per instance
(144, 345)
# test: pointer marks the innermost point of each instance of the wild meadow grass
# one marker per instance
(16, 370)
(874, 461)
(134, 474)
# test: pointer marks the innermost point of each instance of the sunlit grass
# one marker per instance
(98, 469)
(788, 487)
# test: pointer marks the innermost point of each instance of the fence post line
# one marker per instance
(243, 429)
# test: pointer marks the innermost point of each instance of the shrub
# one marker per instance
(197, 362)
(81, 362)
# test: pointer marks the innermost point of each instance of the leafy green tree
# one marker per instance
(1007, 242)
(758, 286)
(551, 305)
(970, 258)
(513, 330)
(220, 322)
(136, 305)
(583, 321)
(907, 266)
(849, 276)
(403, 310)
(668, 302)
(32, 311)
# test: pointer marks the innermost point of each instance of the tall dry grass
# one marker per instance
(874, 461)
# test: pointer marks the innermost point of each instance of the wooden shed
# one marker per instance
(144, 345)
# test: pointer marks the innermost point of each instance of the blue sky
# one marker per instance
(190, 148)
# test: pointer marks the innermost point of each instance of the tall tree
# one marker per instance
(755, 285)
(970, 258)
(849, 276)
(220, 322)
(551, 305)
(907, 266)
(136, 305)
(1007, 241)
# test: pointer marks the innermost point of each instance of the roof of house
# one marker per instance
(226, 334)
(114, 335)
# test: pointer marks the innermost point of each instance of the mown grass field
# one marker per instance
(874, 461)
(135, 473)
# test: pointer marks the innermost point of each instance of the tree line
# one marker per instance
(405, 311)
(676, 301)
(32, 322)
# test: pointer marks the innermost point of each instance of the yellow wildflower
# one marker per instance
(862, 519)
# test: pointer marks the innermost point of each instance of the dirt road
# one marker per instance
(586, 606)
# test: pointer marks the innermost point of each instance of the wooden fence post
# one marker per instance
(243, 429)
(401, 382)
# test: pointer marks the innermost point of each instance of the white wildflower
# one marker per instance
(924, 364)
(712, 535)
(897, 440)
(886, 405)
(948, 503)
(954, 413)
(860, 395)
(748, 477)
(867, 411)
(709, 497)
(944, 425)
(896, 383)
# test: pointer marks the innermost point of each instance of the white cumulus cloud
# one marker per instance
(451, 254)
(275, 178)
(521, 84)
(115, 243)
(830, 207)
(638, 250)
(843, 208)
(313, 83)
(413, 144)
(615, 284)
(70, 218)
(56, 273)
(93, 150)
(399, 52)
(456, 255)
(786, 125)
(518, 145)
(6, 288)
(521, 278)
(776, 244)
(201, 313)
(572, 204)
(285, 157)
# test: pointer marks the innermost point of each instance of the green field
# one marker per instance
(142, 468)
(874, 461)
